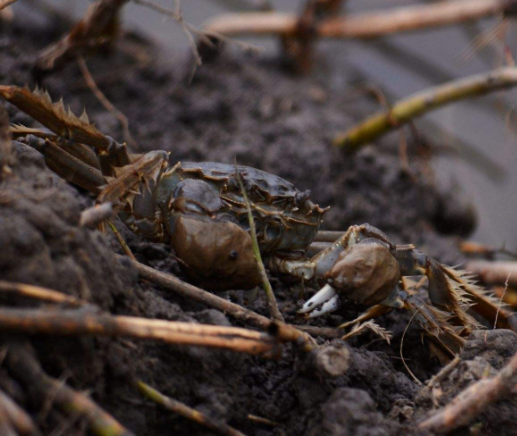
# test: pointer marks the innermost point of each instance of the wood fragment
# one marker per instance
(471, 402)
(95, 215)
(422, 102)
(186, 411)
(362, 25)
(98, 27)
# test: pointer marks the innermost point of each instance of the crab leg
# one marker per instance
(68, 166)
(65, 124)
(483, 302)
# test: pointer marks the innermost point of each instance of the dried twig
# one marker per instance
(185, 411)
(108, 105)
(274, 311)
(18, 418)
(5, 3)
(40, 293)
(417, 104)
(95, 215)
(98, 27)
(497, 272)
(468, 404)
(74, 322)
(191, 292)
(262, 420)
(24, 366)
(364, 25)
(177, 16)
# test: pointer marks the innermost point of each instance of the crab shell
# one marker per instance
(205, 199)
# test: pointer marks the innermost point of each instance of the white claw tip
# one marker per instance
(326, 297)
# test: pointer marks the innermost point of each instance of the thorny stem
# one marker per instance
(23, 365)
(472, 401)
(270, 295)
(185, 411)
(191, 292)
(82, 322)
(363, 25)
(417, 104)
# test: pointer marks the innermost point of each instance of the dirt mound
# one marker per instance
(242, 107)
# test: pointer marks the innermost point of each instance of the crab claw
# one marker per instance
(325, 301)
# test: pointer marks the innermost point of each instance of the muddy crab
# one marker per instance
(199, 209)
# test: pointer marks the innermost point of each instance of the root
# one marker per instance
(24, 366)
(467, 405)
(110, 107)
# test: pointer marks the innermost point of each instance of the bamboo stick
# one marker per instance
(361, 25)
(424, 101)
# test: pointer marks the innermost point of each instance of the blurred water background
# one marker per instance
(401, 65)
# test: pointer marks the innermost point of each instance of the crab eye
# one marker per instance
(234, 255)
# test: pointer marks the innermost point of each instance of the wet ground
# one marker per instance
(247, 108)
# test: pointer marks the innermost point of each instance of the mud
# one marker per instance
(242, 107)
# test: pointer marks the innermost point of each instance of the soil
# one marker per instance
(245, 107)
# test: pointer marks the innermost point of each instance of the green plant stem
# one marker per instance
(185, 411)
(270, 295)
(422, 102)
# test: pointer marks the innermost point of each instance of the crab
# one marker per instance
(200, 211)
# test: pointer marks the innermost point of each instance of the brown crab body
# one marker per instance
(205, 218)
